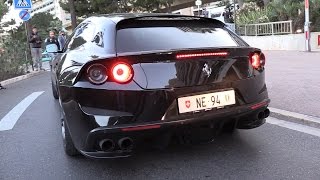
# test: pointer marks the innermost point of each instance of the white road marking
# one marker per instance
(8, 121)
(293, 126)
(295, 115)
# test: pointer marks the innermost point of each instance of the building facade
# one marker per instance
(53, 7)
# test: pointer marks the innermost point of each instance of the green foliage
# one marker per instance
(3, 8)
(45, 22)
(13, 59)
(280, 10)
(251, 13)
(87, 8)
(151, 5)
(315, 15)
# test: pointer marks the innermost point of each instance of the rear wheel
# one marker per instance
(67, 141)
(54, 91)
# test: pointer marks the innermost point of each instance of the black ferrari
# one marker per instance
(130, 80)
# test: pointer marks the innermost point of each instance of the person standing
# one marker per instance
(52, 39)
(36, 53)
(61, 39)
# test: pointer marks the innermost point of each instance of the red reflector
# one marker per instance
(181, 56)
(256, 106)
(138, 128)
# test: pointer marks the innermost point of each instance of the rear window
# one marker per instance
(171, 36)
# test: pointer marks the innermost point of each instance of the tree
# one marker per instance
(45, 22)
(3, 8)
(73, 14)
(85, 8)
(280, 10)
(151, 5)
(314, 15)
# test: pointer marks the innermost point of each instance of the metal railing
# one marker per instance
(263, 29)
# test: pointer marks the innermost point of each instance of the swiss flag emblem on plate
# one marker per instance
(188, 104)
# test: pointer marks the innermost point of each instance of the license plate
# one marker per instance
(206, 101)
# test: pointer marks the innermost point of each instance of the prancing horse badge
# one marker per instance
(207, 70)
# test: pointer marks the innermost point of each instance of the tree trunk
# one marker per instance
(73, 14)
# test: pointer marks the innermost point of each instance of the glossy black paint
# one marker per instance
(95, 112)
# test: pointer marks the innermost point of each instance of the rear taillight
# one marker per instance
(97, 74)
(193, 55)
(122, 72)
(257, 60)
(118, 72)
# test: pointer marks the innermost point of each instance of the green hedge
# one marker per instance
(13, 59)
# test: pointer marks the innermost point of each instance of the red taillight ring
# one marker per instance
(122, 72)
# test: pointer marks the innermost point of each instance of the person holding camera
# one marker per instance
(36, 52)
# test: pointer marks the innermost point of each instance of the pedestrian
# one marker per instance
(36, 51)
(52, 40)
(49, 42)
(61, 39)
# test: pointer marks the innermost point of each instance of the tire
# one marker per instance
(68, 145)
(54, 91)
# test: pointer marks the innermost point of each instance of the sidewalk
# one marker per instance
(293, 81)
(30, 73)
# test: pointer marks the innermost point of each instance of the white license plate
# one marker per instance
(206, 101)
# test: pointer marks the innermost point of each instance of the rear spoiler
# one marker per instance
(129, 22)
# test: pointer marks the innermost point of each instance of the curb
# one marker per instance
(298, 118)
(20, 78)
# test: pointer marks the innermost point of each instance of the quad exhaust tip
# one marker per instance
(125, 143)
(261, 115)
(106, 145)
(266, 113)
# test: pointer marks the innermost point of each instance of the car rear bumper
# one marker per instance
(245, 116)
(94, 113)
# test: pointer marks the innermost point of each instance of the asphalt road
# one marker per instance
(33, 148)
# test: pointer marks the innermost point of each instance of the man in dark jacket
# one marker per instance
(36, 42)
(52, 40)
(61, 39)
